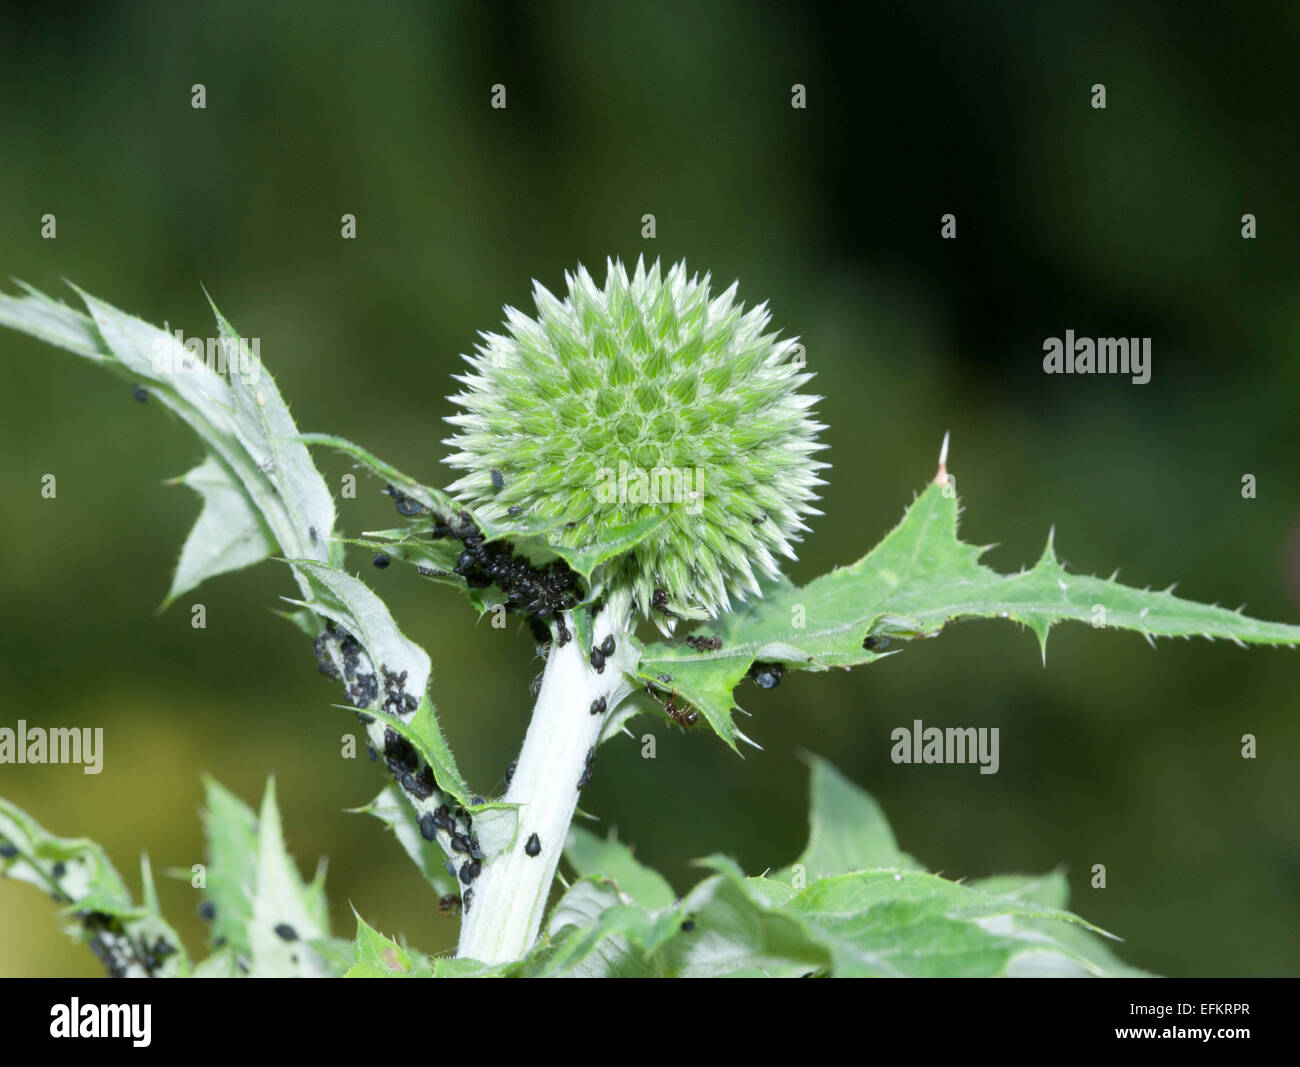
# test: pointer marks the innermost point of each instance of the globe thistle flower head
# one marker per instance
(649, 397)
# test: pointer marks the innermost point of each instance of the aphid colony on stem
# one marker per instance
(539, 592)
(542, 594)
(115, 949)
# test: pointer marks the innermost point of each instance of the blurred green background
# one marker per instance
(1117, 222)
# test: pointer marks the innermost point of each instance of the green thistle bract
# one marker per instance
(645, 398)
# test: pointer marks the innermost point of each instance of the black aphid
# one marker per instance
(514, 509)
(688, 926)
(588, 768)
(534, 846)
(207, 910)
(459, 844)
(598, 660)
(451, 868)
(875, 643)
(428, 828)
(59, 869)
(370, 752)
(405, 505)
(470, 871)
(382, 560)
(468, 899)
(442, 818)
(138, 391)
(311, 532)
(665, 677)
(7, 850)
(510, 772)
(607, 646)
(598, 706)
(498, 480)
(766, 675)
(286, 932)
(476, 800)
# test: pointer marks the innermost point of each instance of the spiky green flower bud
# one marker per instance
(643, 398)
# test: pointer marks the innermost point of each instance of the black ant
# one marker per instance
(683, 715)
(659, 601)
(705, 644)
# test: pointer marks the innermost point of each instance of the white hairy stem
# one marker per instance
(509, 899)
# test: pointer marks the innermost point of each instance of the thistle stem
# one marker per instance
(509, 899)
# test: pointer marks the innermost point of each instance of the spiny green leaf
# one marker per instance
(288, 914)
(377, 956)
(230, 833)
(53, 322)
(266, 428)
(37, 853)
(591, 934)
(592, 855)
(228, 535)
(847, 831)
(912, 584)
(131, 941)
(883, 920)
(463, 967)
